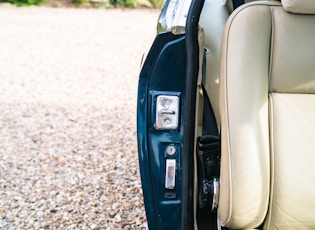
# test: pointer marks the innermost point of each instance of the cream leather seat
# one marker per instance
(267, 109)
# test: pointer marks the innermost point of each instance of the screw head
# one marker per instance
(166, 121)
(167, 102)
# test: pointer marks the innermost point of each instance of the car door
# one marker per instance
(166, 117)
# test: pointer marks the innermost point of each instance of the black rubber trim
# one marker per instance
(192, 49)
(237, 3)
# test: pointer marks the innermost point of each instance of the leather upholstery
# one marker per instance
(292, 109)
(213, 18)
(267, 107)
(299, 6)
(294, 34)
(292, 201)
(245, 168)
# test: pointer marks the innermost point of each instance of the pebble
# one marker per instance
(68, 153)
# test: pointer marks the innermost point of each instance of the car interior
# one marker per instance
(260, 80)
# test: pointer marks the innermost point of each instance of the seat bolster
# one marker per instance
(245, 166)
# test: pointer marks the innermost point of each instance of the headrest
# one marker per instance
(299, 6)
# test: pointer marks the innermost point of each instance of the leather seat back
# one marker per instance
(267, 107)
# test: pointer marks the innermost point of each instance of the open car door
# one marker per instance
(167, 100)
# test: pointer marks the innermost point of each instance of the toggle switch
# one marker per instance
(167, 112)
(170, 174)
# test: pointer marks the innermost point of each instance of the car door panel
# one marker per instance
(163, 74)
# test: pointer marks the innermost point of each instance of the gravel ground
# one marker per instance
(68, 85)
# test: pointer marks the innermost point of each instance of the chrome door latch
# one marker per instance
(167, 112)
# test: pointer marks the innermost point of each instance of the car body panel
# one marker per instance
(172, 69)
(163, 73)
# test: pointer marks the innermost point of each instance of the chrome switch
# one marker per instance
(167, 112)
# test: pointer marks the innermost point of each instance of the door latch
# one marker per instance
(167, 112)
